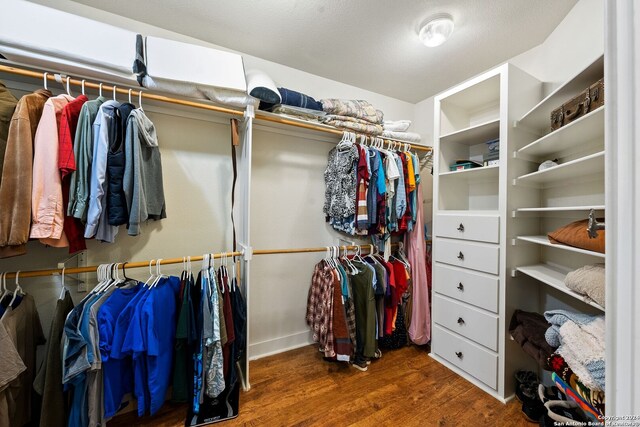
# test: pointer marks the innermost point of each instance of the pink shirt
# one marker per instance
(47, 210)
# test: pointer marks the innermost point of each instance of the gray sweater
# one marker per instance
(142, 180)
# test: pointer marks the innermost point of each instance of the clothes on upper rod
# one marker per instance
(371, 191)
(75, 169)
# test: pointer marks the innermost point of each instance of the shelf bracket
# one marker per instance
(247, 252)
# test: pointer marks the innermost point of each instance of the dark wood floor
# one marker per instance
(404, 388)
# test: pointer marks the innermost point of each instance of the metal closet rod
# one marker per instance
(51, 76)
(145, 264)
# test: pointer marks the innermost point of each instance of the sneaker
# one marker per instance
(563, 412)
(361, 365)
(546, 394)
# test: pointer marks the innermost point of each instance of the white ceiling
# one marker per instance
(371, 44)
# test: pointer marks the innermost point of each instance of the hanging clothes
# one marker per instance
(17, 174)
(47, 213)
(48, 381)
(8, 104)
(22, 323)
(420, 327)
(73, 228)
(142, 180)
(83, 154)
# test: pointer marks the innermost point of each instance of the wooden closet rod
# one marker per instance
(145, 264)
(51, 76)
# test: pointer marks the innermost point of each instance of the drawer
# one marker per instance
(467, 321)
(468, 227)
(476, 256)
(465, 285)
(470, 357)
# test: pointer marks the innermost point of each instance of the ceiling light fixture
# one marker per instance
(436, 30)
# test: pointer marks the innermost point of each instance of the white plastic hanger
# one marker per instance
(159, 274)
(82, 86)
(140, 99)
(15, 292)
(44, 77)
(100, 90)
(114, 92)
(130, 95)
(68, 86)
(151, 275)
(5, 291)
(63, 289)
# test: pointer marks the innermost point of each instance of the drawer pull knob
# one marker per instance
(461, 256)
(460, 321)
(459, 354)
(461, 227)
(460, 287)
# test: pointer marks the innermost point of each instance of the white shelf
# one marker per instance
(474, 135)
(539, 117)
(475, 212)
(588, 165)
(544, 241)
(562, 209)
(554, 276)
(474, 173)
(586, 128)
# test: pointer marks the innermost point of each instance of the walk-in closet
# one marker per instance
(319, 213)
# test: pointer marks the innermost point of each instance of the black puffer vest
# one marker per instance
(116, 203)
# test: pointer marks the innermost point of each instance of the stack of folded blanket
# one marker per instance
(353, 115)
(398, 130)
(588, 280)
(580, 341)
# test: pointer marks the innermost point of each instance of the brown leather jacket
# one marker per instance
(7, 106)
(17, 174)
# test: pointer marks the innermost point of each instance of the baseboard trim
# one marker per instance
(279, 345)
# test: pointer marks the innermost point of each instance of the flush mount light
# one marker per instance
(436, 30)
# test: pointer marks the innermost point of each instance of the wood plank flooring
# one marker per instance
(404, 388)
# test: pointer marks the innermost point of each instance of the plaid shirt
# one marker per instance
(320, 308)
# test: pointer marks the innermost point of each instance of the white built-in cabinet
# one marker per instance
(490, 250)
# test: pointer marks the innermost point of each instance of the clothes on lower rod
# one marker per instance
(355, 303)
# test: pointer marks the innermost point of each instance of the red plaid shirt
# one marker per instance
(73, 228)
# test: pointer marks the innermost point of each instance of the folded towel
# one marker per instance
(353, 108)
(352, 124)
(580, 341)
(402, 136)
(589, 281)
(528, 330)
(397, 125)
(297, 99)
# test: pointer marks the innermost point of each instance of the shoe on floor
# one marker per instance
(563, 412)
(546, 394)
(524, 378)
(532, 407)
(361, 365)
